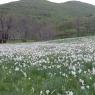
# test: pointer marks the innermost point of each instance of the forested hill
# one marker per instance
(43, 20)
(42, 7)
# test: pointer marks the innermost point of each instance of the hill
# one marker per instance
(36, 7)
(44, 20)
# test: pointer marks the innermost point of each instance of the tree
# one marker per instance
(77, 26)
(5, 26)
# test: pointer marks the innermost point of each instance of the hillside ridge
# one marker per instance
(56, 20)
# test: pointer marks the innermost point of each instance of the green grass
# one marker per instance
(59, 67)
(31, 80)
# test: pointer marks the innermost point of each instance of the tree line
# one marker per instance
(77, 27)
(24, 28)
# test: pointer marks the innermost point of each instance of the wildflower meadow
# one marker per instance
(59, 67)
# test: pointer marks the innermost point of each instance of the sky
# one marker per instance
(56, 1)
(86, 1)
(6, 1)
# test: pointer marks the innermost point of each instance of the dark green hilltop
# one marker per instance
(44, 20)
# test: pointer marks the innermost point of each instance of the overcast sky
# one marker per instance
(87, 1)
(6, 1)
(57, 1)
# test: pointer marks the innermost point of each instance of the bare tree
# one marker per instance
(5, 26)
(77, 26)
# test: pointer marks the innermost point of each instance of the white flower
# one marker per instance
(93, 71)
(88, 86)
(82, 87)
(73, 73)
(33, 89)
(81, 81)
(58, 66)
(69, 93)
(16, 69)
(47, 92)
(41, 92)
(44, 67)
(80, 71)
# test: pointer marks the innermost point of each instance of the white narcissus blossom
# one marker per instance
(82, 87)
(69, 93)
(68, 58)
(88, 86)
(17, 69)
(58, 66)
(79, 71)
(73, 73)
(81, 81)
(47, 92)
(93, 71)
(41, 92)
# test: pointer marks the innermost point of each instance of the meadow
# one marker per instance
(59, 67)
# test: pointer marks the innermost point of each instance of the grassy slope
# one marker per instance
(57, 72)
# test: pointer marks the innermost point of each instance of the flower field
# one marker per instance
(59, 67)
